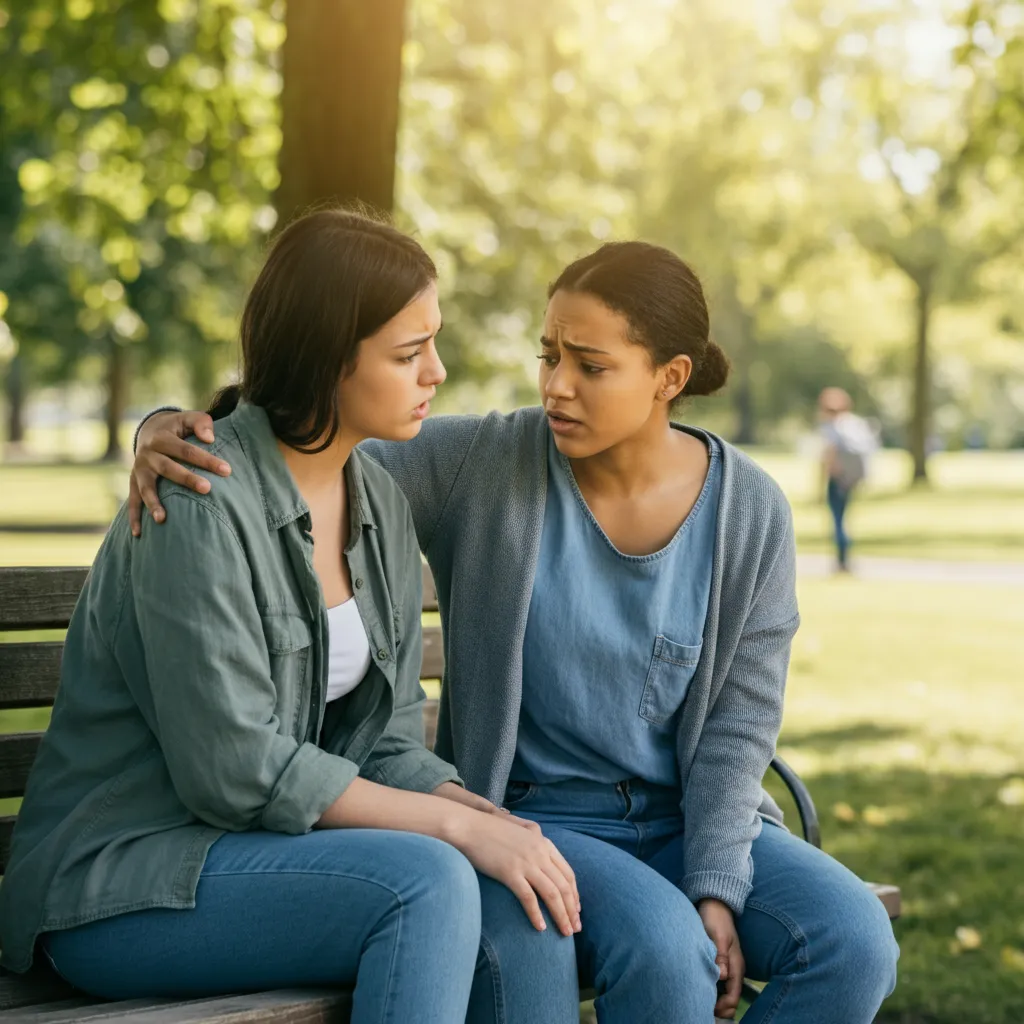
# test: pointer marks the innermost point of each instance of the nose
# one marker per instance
(559, 383)
(434, 374)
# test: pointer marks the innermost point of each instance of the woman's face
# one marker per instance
(598, 387)
(397, 371)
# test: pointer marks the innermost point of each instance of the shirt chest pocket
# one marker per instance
(289, 647)
(672, 668)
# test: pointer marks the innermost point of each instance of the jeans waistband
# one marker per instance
(630, 799)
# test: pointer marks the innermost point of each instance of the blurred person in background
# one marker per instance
(848, 442)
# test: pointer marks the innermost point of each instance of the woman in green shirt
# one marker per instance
(233, 792)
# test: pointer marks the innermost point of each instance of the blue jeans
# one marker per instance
(356, 907)
(811, 929)
(838, 500)
(394, 914)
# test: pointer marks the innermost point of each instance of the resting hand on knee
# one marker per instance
(518, 855)
(721, 929)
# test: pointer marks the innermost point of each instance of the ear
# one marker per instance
(673, 377)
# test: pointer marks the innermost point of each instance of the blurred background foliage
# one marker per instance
(845, 176)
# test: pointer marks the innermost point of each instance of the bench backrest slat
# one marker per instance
(17, 752)
(44, 598)
(39, 598)
(29, 674)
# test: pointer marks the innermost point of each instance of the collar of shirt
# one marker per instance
(282, 502)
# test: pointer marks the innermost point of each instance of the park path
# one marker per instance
(918, 570)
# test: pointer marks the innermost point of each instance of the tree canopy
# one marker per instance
(844, 177)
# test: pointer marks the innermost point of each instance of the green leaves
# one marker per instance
(812, 160)
(147, 137)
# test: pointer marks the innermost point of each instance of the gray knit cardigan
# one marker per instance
(477, 488)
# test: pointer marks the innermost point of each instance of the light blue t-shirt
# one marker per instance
(612, 641)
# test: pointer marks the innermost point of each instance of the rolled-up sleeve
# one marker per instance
(208, 694)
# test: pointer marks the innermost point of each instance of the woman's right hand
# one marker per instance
(517, 854)
(161, 441)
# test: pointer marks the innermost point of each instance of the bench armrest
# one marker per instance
(802, 796)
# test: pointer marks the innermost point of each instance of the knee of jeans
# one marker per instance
(674, 958)
(510, 939)
(531, 955)
(866, 945)
(448, 891)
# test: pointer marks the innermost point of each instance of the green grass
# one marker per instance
(58, 494)
(903, 715)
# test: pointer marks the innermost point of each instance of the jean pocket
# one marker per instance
(672, 669)
(517, 793)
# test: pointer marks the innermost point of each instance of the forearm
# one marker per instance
(366, 804)
(460, 795)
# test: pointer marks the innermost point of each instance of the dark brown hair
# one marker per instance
(662, 301)
(331, 279)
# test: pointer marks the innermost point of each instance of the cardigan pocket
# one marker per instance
(672, 669)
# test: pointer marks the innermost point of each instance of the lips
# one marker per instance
(553, 414)
(562, 424)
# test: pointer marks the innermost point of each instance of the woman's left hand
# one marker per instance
(721, 928)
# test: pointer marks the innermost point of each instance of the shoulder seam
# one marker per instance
(197, 499)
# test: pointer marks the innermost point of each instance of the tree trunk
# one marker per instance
(342, 64)
(117, 399)
(920, 423)
(743, 402)
(738, 327)
(15, 402)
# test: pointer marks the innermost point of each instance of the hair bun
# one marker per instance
(710, 374)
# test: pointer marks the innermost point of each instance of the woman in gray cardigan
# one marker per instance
(618, 601)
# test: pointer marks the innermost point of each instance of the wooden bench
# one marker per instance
(43, 599)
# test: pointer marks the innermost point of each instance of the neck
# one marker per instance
(632, 466)
(315, 472)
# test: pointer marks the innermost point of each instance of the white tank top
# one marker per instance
(349, 656)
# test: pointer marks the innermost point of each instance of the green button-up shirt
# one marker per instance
(192, 695)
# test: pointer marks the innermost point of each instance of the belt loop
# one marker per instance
(623, 788)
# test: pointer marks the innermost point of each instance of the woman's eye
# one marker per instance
(591, 369)
(409, 359)
(548, 360)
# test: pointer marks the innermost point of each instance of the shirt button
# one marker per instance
(358, 583)
(382, 655)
